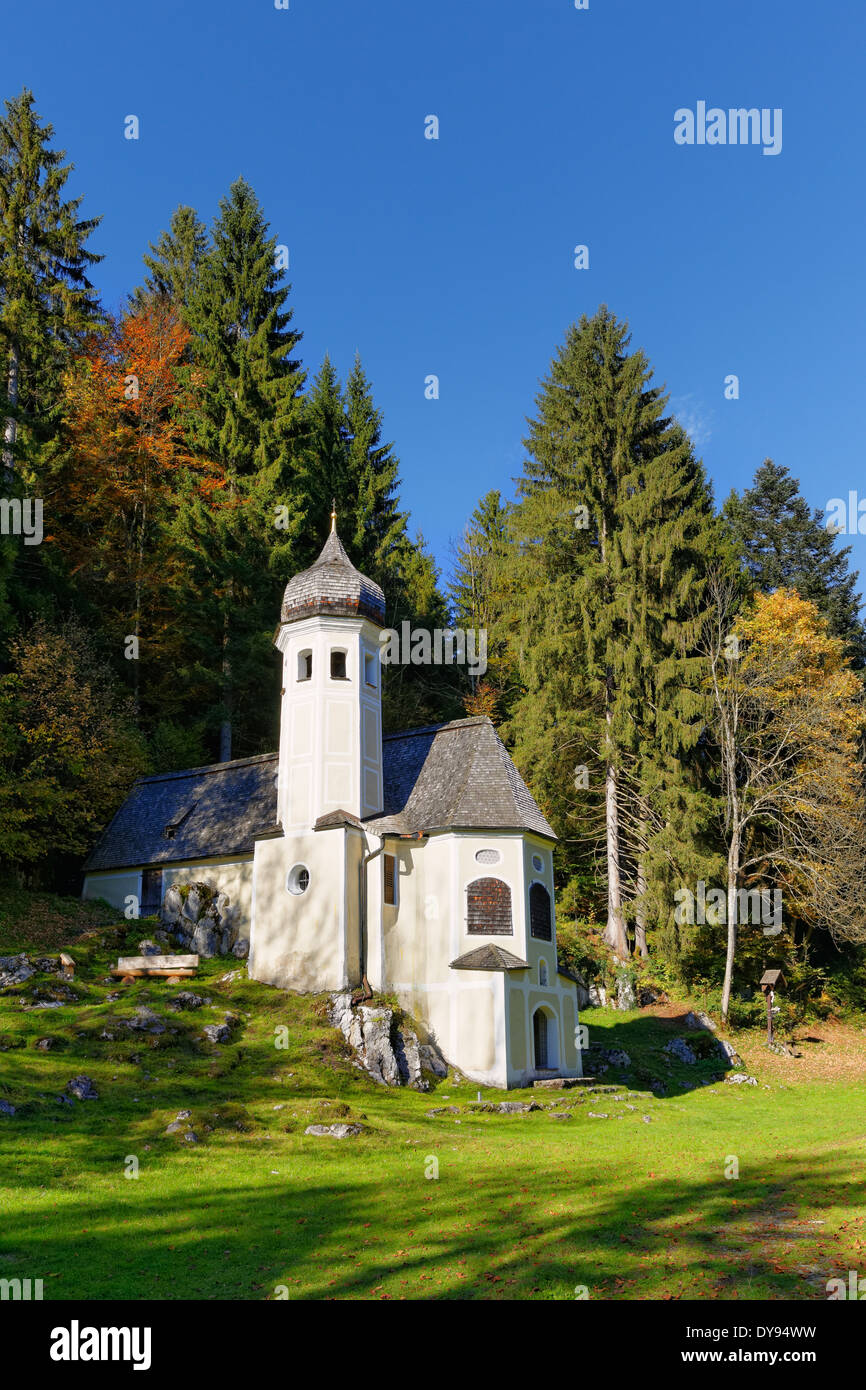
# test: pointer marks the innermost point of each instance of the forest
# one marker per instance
(679, 681)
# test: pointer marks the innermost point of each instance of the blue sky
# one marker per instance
(455, 257)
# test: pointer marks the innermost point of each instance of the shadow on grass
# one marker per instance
(643, 1037)
(488, 1236)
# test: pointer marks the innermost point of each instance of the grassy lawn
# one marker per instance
(635, 1205)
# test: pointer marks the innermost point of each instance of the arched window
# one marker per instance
(488, 908)
(305, 665)
(539, 912)
(338, 665)
(542, 973)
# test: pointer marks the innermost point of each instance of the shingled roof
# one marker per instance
(332, 587)
(454, 775)
(489, 957)
(215, 811)
(445, 776)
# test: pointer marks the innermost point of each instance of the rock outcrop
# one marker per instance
(14, 970)
(202, 920)
(626, 998)
(387, 1049)
(679, 1048)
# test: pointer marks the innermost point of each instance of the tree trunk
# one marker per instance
(640, 945)
(614, 933)
(10, 427)
(139, 572)
(226, 726)
(733, 876)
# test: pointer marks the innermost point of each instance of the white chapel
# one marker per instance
(417, 862)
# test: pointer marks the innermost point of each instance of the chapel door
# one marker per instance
(151, 892)
(539, 1029)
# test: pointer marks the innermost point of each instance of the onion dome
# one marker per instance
(332, 587)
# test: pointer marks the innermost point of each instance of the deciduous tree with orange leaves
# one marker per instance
(789, 716)
(126, 398)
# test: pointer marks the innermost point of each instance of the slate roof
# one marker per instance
(332, 586)
(454, 775)
(489, 958)
(230, 804)
(444, 776)
(334, 819)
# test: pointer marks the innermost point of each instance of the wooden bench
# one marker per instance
(171, 968)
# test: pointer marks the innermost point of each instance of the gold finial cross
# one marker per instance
(333, 514)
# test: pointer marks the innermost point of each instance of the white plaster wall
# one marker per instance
(330, 730)
(299, 941)
(232, 876)
(115, 887)
(479, 1018)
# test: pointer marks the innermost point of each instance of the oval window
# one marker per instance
(537, 863)
(487, 856)
(299, 879)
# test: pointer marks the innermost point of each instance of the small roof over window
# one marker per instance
(489, 958)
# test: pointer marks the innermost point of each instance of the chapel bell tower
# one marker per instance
(331, 712)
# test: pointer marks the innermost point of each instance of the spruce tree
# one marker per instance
(175, 262)
(226, 604)
(322, 474)
(478, 558)
(670, 539)
(247, 422)
(46, 299)
(250, 406)
(374, 478)
(343, 458)
(615, 515)
(412, 695)
(480, 598)
(784, 544)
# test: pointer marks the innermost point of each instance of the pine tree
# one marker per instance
(46, 298)
(784, 544)
(176, 261)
